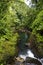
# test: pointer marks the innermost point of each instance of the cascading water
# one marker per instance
(29, 3)
(27, 54)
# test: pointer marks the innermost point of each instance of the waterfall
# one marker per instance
(28, 54)
(31, 56)
(29, 3)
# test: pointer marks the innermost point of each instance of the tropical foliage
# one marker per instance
(17, 16)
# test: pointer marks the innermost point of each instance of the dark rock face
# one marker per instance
(33, 60)
(30, 64)
(37, 48)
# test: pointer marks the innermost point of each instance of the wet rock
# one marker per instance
(30, 64)
(37, 47)
(19, 61)
(33, 60)
(41, 60)
(28, 61)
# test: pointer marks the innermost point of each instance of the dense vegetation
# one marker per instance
(16, 17)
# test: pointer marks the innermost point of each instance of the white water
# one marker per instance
(28, 54)
(29, 3)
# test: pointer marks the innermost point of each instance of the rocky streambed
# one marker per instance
(28, 61)
(26, 57)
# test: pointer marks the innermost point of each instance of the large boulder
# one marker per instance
(33, 61)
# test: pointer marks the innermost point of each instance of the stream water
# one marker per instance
(27, 52)
(29, 3)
